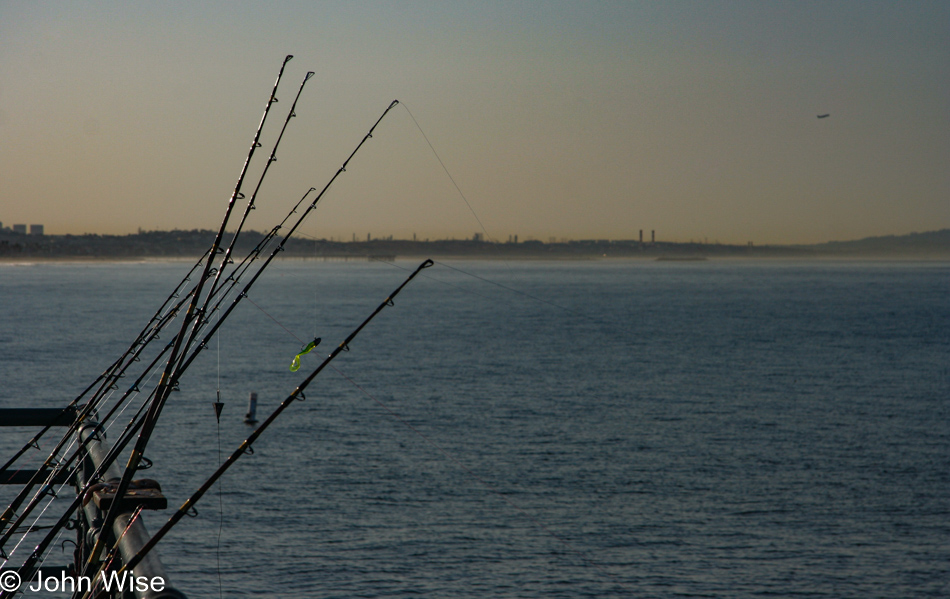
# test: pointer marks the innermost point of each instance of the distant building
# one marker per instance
(19, 229)
(36, 229)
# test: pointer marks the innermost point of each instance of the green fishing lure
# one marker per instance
(295, 365)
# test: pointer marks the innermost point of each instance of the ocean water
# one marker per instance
(730, 429)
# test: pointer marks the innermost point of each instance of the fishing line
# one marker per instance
(193, 319)
(45, 488)
(578, 552)
(47, 484)
(109, 377)
(513, 290)
(307, 347)
(567, 545)
(38, 528)
(446, 283)
(54, 495)
(451, 178)
(55, 541)
(606, 328)
(178, 360)
(220, 515)
(59, 462)
(217, 408)
(243, 448)
(316, 307)
(40, 554)
(266, 313)
(106, 425)
(497, 284)
(113, 551)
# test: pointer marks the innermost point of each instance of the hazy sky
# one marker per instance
(556, 119)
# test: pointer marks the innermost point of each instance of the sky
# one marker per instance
(547, 119)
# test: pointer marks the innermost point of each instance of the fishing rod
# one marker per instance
(226, 259)
(34, 442)
(192, 311)
(232, 281)
(204, 342)
(105, 374)
(250, 206)
(191, 319)
(235, 195)
(280, 247)
(111, 375)
(108, 384)
(34, 557)
(29, 567)
(141, 342)
(136, 422)
(66, 462)
(245, 447)
(250, 203)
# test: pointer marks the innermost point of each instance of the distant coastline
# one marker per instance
(191, 244)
